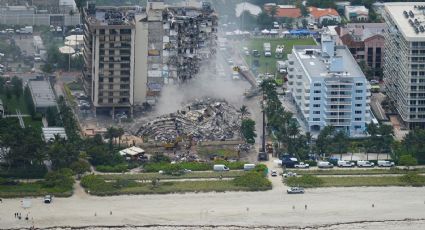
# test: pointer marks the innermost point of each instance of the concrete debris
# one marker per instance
(202, 120)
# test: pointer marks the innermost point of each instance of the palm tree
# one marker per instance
(386, 132)
(119, 133)
(110, 134)
(373, 130)
(243, 110)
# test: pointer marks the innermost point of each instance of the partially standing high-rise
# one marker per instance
(404, 61)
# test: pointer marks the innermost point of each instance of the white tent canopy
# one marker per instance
(265, 31)
(132, 151)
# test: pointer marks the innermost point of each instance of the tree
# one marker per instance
(340, 142)
(248, 130)
(264, 20)
(324, 139)
(243, 110)
(119, 133)
(386, 138)
(17, 86)
(62, 153)
(52, 116)
(407, 160)
(305, 23)
(111, 133)
(28, 101)
(273, 12)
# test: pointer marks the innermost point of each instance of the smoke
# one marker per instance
(205, 84)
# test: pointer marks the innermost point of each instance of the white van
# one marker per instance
(365, 164)
(324, 164)
(248, 167)
(345, 164)
(220, 168)
(386, 164)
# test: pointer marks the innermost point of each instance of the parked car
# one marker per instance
(273, 173)
(247, 167)
(48, 199)
(302, 165)
(386, 164)
(365, 164)
(220, 168)
(345, 164)
(289, 174)
(324, 164)
(295, 190)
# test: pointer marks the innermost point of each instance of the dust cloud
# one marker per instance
(207, 84)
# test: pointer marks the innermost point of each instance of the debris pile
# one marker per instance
(202, 120)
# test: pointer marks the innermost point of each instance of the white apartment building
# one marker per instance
(328, 87)
(404, 60)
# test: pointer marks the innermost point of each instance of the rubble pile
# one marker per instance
(202, 120)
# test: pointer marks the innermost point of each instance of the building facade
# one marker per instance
(131, 53)
(404, 61)
(365, 41)
(109, 54)
(318, 15)
(356, 13)
(329, 87)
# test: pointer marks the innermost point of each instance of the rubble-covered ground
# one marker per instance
(203, 119)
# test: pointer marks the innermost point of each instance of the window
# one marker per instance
(419, 109)
(359, 84)
(111, 79)
(111, 94)
(316, 119)
(358, 112)
(358, 105)
(359, 91)
(412, 116)
(317, 84)
(110, 100)
(317, 91)
(359, 98)
(413, 102)
(316, 112)
(414, 109)
(357, 127)
(316, 98)
(357, 119)
(316, 105)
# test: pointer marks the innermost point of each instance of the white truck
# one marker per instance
(25, 30)
(345, 164)
(220, 168)
(324, 164)
(267, 49)
(281, 66)
(386, 164)
(365, 164)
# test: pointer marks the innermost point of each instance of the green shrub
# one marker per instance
(95, 183)
(173, 169)
(196, 166)
(114, 168)
(413, 179)
(60, 179)
(253, 180)
(311, 163)
(27, 172)
(80, 167)
(261, 168)
(124, 183)
(307, 181)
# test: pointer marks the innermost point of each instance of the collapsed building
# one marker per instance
(201, 120)
(132, 52)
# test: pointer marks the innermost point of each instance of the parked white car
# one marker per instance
(302, 165)
(345, 164)
(386, 164)
(365, 164)
(324, 164)
(289, 174)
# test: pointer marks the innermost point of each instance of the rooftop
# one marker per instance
(42, 94)
(320, 12)
(409, 18)
(363, 31)
(358, 9)
(246, 6)
(318, 66)
(104, 16)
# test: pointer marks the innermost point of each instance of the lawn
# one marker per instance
(172, 187)
(355, 171)
(268, 64)
(356, 181)
(31, 189)
(191, 175)
(14, 103)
